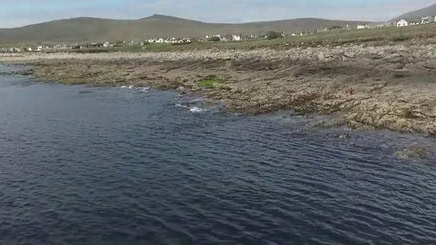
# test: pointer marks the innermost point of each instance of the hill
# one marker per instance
(410, 16)
(96, 29)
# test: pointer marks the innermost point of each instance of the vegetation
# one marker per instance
(335, 28)
(423, 34)
(214, 39)
(273, 35)
(92, 29)
(95, 29)
(210, 81)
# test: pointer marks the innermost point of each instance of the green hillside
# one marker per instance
(95, 29)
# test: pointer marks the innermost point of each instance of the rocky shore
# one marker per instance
(392, 87)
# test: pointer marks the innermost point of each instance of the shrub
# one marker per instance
(273, 35)
(335, 27)
(214, 39)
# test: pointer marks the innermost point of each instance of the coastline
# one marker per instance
(389, 87)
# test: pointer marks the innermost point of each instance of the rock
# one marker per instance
(344, 136)
(431, 65)
(264, 80)
(394, 58)
(349, 54)
(321, 57)
(333, 123)
(399, 66)
(414, 152)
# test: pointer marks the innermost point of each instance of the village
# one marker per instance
(210, 38)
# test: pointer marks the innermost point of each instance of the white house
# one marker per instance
(425, 20)
(236, 38)
(361, 27)
(402, 23)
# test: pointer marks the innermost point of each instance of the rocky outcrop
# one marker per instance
(389, 87)
(414, 152)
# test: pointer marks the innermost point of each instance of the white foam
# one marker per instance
(196, 110)
(180, 105)
(145, 89)
(129, 87)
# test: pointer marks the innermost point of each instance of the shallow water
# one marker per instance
(83, 165)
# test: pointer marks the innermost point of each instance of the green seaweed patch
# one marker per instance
(210, 81)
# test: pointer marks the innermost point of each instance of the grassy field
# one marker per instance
(423, 34)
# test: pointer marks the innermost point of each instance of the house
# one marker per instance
(361, 27)
(60, 46)
(236, 38)
(380, 26)
(402, 23)
(425, 20)
(15, 50)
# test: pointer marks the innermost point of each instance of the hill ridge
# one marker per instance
(101, 29)
(413, 15)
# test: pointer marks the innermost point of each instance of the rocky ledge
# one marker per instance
(391, 87)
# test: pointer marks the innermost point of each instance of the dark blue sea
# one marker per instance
(115, 166)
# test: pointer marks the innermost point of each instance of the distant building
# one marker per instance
(361, 27)
(425, 20)
(402, 23)
(15, 50)
(380, 25)
(236, 38)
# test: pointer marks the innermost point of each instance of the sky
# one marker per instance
(15, 13)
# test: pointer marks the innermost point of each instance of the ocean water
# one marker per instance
(82, 165)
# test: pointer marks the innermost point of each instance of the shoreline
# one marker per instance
(387, 87)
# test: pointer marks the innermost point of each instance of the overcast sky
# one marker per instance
(15, 13)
